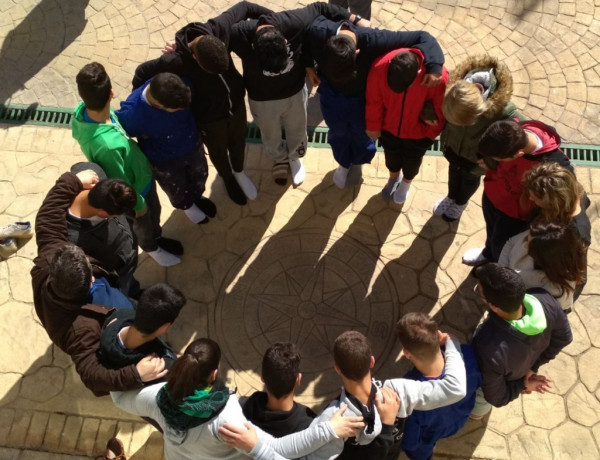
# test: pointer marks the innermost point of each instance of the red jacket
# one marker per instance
(504, 185)
(400, 113)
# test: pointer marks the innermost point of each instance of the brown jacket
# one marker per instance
(75, 328)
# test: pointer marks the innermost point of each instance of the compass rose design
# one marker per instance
(305, 289)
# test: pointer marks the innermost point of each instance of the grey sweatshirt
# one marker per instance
(204, 442)
(414, 395)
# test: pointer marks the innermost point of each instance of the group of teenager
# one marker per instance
(374, 85)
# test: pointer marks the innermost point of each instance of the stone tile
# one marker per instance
(588, 372)
(70, 434)
(543, 411)
(507, 419)
(581, 341)
(563, 373)
(582, 406)
(573, 442)
(531, 443)
(54, 430)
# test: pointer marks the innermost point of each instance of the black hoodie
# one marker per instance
(215, 96)
(275, 422)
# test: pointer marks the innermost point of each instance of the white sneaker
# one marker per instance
(340, 175)
(474, 257)
(442, 206)
(401, 193)
(246, 185)
(388, 190)
(164, 258)
(454, 212)
(298, 171)
(196, 215)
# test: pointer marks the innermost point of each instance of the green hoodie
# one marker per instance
(108, 145)
(534, 320)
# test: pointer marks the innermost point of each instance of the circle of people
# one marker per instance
(373, 84)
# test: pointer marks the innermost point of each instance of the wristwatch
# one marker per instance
(357, 17)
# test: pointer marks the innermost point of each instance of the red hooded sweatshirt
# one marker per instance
(400, 113)
(504, 185)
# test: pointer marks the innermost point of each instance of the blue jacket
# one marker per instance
(162, 136)
(424, 428)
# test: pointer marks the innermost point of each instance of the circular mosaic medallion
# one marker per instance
(305, 288)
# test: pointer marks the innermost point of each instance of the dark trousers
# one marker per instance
(147, 227)
(345, 117)
(225, 141)
(499, 228)
(404, 155)
(462, 185)
(184, 178)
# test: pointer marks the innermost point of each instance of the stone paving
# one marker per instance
(298, 264)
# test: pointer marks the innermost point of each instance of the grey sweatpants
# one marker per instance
(290, 113)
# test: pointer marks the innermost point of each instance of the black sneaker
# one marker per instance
(235, 192)
(170, 245)
(206, 206)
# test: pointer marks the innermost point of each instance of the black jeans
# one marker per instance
(225, 141)
(147, 227)
(404, 155)
(499, 228)
(462, 185)
(183, 179)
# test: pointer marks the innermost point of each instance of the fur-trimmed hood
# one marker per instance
(504, 85)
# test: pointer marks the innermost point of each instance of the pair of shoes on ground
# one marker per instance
(347, 177)
(396, 190)
(201, 211)
(167, 252)
(296, 166)
(240, 188)
(9, 235)
(448, 209)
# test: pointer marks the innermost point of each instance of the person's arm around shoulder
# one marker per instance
(434, 393)
(374, 104)
(51, 222)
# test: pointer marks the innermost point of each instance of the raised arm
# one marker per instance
(433, 393)
(51, 222)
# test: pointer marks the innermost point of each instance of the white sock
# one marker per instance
(195, 214)
(339, 176)
(164, 258)
(401, 192)
(246, 185)
(298, 171)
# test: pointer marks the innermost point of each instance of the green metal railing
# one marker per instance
(580, 154)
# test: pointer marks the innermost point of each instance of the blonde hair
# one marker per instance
(558, 190)
(463, 104)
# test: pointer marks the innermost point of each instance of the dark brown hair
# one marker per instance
(192, 369)
(352, 354)
(558, 252)
(503, 139)
(418, 335)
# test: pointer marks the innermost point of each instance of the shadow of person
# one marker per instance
(278, 291)
(41, 35)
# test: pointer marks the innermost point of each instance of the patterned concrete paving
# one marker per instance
(297, 264)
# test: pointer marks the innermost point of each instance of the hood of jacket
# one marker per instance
(367, 434)
(188, 33)
(504, 84)
(534, 320)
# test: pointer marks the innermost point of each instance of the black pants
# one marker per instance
(184, 178)
(225, 141)
(147, 228)
(499, 228)
(462, 185)
(404, 155)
